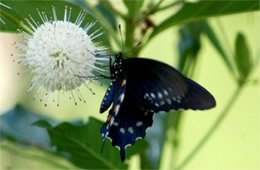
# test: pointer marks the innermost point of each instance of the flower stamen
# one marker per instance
(58, 51)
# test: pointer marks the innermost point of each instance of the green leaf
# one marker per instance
(42, 124)
(242, 56)
(139, 147)
(16, 124)
(15, 18)
(189, 46)
(109, 15)
(83, 143)
(133, 7)
(215, 42)
(204, 9)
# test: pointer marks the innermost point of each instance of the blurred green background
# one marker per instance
(234, 145)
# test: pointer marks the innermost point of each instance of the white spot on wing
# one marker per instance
(116, 109)
(122, 130)
(160, 95)
(131, 130)
(115, 124)
(112, 120)
(169, 101)
(146, 95)
(153, 96)
(165, 92)
(122, 96)
(139, 123)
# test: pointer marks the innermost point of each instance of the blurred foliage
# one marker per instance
(80, 143)
(242, 57)
(204, 9)
(16, 126)
(83, 144)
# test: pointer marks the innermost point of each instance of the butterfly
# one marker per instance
(140, 88)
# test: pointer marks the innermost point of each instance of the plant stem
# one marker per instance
(33, 156)
(212, 129)
(129, 34)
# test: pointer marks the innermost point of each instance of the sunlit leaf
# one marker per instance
(242, 56)
(204, 9)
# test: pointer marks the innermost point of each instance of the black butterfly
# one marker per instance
(139, 89)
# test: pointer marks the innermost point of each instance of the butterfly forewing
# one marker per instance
(159, 87)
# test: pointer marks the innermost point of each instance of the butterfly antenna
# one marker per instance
(134, 48)
(122, 42)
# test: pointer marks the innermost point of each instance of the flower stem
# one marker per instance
(212, 129)
(17, 21)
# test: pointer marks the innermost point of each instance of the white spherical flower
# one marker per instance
(2, 4)
(61, 55)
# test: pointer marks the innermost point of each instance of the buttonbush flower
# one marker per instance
(61, 55)
(1, 4)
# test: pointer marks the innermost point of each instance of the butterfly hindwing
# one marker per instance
(127, 121)
(160, 87)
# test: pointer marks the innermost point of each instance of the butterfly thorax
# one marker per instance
(116, 67)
